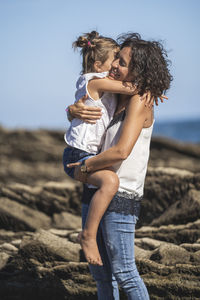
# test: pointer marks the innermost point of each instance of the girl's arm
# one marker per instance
(97, 86)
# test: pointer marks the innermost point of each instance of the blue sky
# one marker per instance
(38, 67)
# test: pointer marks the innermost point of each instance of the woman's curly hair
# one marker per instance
(148, 65)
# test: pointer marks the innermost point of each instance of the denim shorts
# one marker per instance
(72, 155)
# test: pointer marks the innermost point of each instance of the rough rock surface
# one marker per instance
(35, 157)
(40, 220)
(17, 216)
(45, 246)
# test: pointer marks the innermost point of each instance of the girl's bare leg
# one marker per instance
(108, 184)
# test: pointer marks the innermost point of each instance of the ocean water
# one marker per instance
(185, 131)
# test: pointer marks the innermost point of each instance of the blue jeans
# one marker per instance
(115, 240)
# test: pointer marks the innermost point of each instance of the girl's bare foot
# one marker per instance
(90, 249)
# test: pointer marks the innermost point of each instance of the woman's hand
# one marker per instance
(89, 114)
(72, 165)
(149, 100)
(78, 175)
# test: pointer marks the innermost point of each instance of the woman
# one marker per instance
(126, 149)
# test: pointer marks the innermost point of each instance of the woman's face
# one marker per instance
(120, 66)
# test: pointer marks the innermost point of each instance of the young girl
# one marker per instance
(85, 140)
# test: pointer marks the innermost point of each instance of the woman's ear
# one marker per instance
(97, 66)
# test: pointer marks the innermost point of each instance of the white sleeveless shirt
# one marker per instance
(90, 137)
(131, 171)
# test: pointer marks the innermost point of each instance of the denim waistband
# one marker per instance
(122, 202)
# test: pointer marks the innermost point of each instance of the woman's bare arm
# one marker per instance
(89, 114)
(136, 114)
(132, 126)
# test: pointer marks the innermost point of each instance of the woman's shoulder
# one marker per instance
(137, 109)
(135, 106)
(138, 103)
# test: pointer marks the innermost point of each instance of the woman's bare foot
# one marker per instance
(90, 249)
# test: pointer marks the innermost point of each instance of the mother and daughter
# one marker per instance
(112, 154)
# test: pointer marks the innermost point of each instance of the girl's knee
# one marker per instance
(111, 178)
(111, 182)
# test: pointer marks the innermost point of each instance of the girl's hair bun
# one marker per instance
(92, 35)
(86, 40)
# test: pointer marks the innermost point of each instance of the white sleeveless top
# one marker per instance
(131, 171)
(90, 137)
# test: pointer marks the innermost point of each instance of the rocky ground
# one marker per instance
(40, 220)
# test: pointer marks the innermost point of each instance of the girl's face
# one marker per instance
(106, 66)
(120, 66)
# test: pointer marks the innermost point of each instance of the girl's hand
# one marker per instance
(89, 114)
(149, 100)
(129, 85)
(162, 97)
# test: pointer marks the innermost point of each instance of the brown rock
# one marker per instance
(49, 198)
(66, 220)
(67, 281)
(148, 243)
(178, 234)
(16, 243)
(31, 156)
(40, 270)
(3, 259)
(171, 153)
(171, 197)
(60, 232)
(16, 216)
(8, 247)
(191, 247)
(9, 236)
(45, 246)
(73, 237)
(177, 211)
(169, 254)
(195, 257)
(141, 253)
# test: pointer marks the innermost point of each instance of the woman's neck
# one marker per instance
(122, 103)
